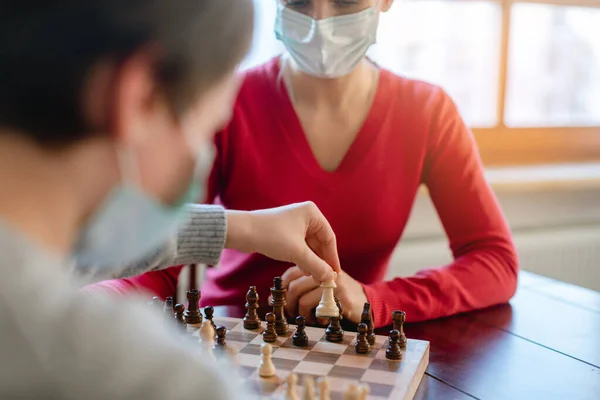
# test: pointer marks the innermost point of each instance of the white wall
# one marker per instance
(556, 232)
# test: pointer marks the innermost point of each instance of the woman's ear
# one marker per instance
(386, 4)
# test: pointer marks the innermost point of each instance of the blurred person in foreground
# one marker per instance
(107, 112)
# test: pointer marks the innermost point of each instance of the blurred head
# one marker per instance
(322, 9)
(149, 81)
(325, 38)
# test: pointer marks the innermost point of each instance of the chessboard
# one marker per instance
(337, 362)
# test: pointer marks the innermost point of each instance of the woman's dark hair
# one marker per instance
(48, 47)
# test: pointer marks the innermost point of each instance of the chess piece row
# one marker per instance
(190, 317)
(277, 301)
(352, 392)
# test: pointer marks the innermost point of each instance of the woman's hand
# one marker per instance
(304, 294)
(297, 233)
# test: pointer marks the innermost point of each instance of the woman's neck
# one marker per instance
(336, 93)
(46, 195)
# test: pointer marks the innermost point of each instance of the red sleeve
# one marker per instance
(161, 283)
(215, 179)
(485, 267)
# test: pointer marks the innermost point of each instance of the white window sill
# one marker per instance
(555, 176)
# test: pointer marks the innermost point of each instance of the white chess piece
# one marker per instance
(352, 392)
(364, 391)
(207, 338)
(323, 384)
(266, 368)
(309, 388)
(292, 381)
(327, 306)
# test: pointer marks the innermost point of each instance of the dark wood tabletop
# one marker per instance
(544, 344)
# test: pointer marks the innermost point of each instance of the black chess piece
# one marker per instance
(300, 339)
(156, 303)
(209, 311)
(270, 335)
(334, 332)
(399, 317)
(168, 307)
(367, 318)
(251, 319)
(179, 309)
(192, 314)
(362, 345)
(278, 301)
(220, 343)
(393, 351)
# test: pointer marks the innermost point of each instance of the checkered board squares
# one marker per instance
(338, 362)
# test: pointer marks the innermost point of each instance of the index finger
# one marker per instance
(322, 241)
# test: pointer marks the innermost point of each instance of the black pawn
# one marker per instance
(270, 335)
(179, 309)
(334, 332)
(300, 338)
(393, 351)
(209, 311)
(156, 303)
(367, 319)
(168, 307)
(220, 343)
(362, 346)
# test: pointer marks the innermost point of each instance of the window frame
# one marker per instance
(502, 145)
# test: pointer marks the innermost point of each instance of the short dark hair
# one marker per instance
(47, 48)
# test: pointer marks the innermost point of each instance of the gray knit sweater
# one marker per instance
(200, 241)
(58, 343)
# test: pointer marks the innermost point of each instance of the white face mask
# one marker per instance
(327, 48)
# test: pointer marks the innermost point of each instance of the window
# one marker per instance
(524, 74)
(553, 66)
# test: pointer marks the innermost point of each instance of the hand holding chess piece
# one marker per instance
(296, 233)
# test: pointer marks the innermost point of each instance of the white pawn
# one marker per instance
(327, 306)
(309, 388)
(352, 392)
(266, 368)
(292, 381)
(207, 338)
(364, 391)
(323, 384)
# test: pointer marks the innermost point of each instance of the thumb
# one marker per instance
(314, 265)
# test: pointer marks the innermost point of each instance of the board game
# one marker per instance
(338, 362)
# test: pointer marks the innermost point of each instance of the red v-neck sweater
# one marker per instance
(413, 135)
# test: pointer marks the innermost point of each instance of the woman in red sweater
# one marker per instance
(324, 123)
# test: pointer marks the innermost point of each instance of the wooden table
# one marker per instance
(544, 345)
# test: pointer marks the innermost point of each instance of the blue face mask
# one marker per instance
(131, 225)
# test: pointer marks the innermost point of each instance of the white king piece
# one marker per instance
(327, 307)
